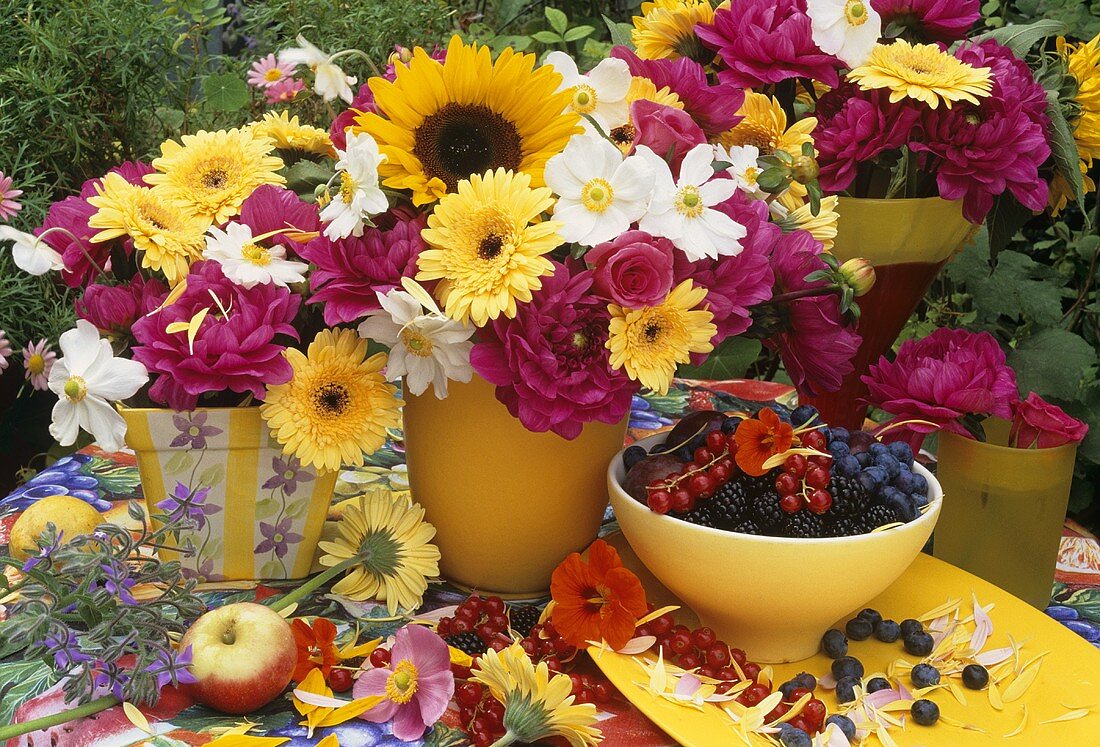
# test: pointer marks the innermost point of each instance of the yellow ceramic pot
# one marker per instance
(774, 597)
(508, 504)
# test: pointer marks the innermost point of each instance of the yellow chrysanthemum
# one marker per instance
(923, 72)
(441, 123)
(212, 173)
(487, 250)
(822, 226)
(764, 124)
(168, 238)
(336, 406)
(536, 706)
(666, 29)
(641, 89)
(288, 134)
(1083, 63)
(392, 542)
(650, 341)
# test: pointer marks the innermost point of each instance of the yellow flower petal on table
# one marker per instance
(246, 740)
(317, 715)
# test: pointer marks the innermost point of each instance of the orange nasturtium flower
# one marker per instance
(316, 647)
(598, 599)
(759, 439)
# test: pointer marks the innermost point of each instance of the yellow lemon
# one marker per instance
(70, 515)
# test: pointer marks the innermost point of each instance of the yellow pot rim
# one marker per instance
(894, 200)
(126, 408)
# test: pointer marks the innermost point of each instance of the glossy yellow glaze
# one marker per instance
(926, 230)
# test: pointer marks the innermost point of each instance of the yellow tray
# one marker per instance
(1068, 679)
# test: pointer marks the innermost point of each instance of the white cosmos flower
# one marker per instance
(599, 193)
(743, 167)
(329, 79)
(845, 28)
(360, 196)
(424, 348)
(247, 263)
(87, 379)
(601, 94)
(683, 211)
(31, 253)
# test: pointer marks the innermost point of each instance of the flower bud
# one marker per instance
(401, 55)
(858, 274)
(804, 170)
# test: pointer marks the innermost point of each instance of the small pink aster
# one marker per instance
(285, 90)
(37, 361)
(267, 72)
(5, 350)
(8, 204)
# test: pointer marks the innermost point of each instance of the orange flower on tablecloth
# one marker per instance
(316, 647)
(759, 439)
(597, 599)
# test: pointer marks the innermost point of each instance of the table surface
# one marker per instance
(1076, 591)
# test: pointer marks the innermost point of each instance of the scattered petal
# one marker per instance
(1071, 716)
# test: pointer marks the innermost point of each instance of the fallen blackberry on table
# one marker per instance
(469, 643)
(522, 618)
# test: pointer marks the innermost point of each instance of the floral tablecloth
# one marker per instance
(107, 481)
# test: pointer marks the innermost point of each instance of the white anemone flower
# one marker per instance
(87, 379)
(683, 210)
(744, 167)
(601, 93)
(360, 196)
(599, 192)
(845, 28)
(31, 253)
(247, 263)
(426, 348)
(329, 79)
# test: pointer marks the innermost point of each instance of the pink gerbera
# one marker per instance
(5, 350)
(929, 20)
(37, 361)
(267, 72)
(8, 204)
(283, 91)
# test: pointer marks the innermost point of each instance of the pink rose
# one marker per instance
(634, 270)
(1038, 423)
(665, 130)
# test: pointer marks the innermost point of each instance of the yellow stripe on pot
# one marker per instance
(139, 437)
(241, 488)
(319, 501)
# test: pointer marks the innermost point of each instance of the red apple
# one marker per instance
(242, 656)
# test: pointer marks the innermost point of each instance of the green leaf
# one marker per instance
(730, 360)
(266, 508)
(172, 119)
(297, 508)
(225, 92)
(1018, 288)
(1020, 39)
(1006, 218)
(620, 33)
(519, 43)
(579, 32)
(212, 475)
(179, 461)
(273, 569)
(28, 678)
(1053, 363)
(305, 176)
(546, 37)
(558, 20)
(1063, 147)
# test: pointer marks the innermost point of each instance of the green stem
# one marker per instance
(284, 601)
(507, 739)
(824, 290)
(57, 719)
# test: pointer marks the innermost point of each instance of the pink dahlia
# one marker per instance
(363, 102)
(350, 272)
(767, 41)
(271, 208)
(9, 206)
(951, 374)
(550, 364)
(113, 309)
(238, 351)
(930, 20)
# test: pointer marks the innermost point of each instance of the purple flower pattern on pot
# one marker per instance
(193, 430)
(288, 473)
(277, 537)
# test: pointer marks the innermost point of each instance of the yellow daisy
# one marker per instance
(487, 248)
(536, 706)
(764, 125)
(641, 89)
(288, 134)
(1083, 63)
(822, 226)
(391, 542)
(650, 341)
(442, 123)
(168, 237)
(666, 29)
(212, 173)
(923, 72)
(336, 406)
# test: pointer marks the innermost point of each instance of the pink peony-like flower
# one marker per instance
(1013, 82)
(1036, 422)
(362, 103)
(350, 272)
(270, 208)
(946, 376)
(9, 206)
(113, 309)
(767, 41)
(550, 363)
(930, 20)
(237, 351)
(268, 71)
(283, 91)
(667, 131)
(633, 270)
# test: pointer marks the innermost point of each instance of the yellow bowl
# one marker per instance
(774, 597)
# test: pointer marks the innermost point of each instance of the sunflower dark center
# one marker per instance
(332, 399)
(464, 139)
(490, 246)
(623, 134)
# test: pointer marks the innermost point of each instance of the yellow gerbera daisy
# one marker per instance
(764, 125)
(167, 236)
(336, 406)
(487, 250)
(212, 173)
(1083, 63)
(442, 123)
(822, 226)
(650, 341)
(641, 89)
(666, 29)
(923, 72)
(288, 134)
(536, 706)
(391, 543)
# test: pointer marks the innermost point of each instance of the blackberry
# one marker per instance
(522, 618)
(805, 524)
(844, 526)
(850, 497)
(729, 504)
(469, 643)
(767, 511)
(877, 516)
(747, 526)
(701, 515)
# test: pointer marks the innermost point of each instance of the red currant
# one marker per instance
(682, 500)
(786, 483)
(380, 657)
(823, 461)
(680, 643)
(814, 439)
(340, 680)
(751, 670)
(482, 739)
(718, 655)
(800, 723)
(461, 626)
(796, 464)
(443, 627)
(817, 477)
(729, 674)
(731, 443)
(716, 441)
(777, 712)
(689, 661)
(486, 631)
(690, 467)
(701, 485)
(814, 712)
(499, 621)
(820, 501)
(720, 473)
(797, 693)
(494, 709)
(467, 615)
(530, 647)
(602, 692)
(493, 606)
(553, 663)
(702, 455)
(739, 656)
(468, 694)
(575, 681)
(708, 671)
(791, 504)
(704, 637)
(498, 645)
(660, 501)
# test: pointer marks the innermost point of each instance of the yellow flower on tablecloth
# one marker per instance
(287, 133)
(313, 699)
(923, 72)
(1083, 63)
(666, 29)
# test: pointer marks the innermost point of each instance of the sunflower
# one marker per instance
(641, 89)
(440, 123)
(650, 341)
(821, 226)
(212, 173)
(336, 406)
(1083, 64)
(924, 72)
(536, 706)
(486, 250)
(666, 29)
(764, 125)
(288, 134)
(391, 544)
(168, 237)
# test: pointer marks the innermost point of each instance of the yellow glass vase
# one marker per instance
(1003, 510)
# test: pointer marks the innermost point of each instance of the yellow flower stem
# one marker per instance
(285, 600)
(57, 719)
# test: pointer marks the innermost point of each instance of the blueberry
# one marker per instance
(872, 616)
(901, 451)
(864, 459)
(920, 500)
(729, 425)
(890, 464)
(925, 712)
(846, 725)
(925, 675)
(847, 466)
(847, 666)
(920, 483)
(839, 434)
(806, 680)
(887, 631)
(900, 503)
(846, 689)
(975, 676)
(859, 629)
(905, 482)
(787, 688)
(633, 455)
(659, 447)
(839, 449)
(834, 644)
(918, 644)
(802, 415)
(909, 626)
(877, 683)
(792, 736)
(873, 477)
(877, 448)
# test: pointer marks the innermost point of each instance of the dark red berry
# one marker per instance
(680, 643)
(701, 485)
(380, 657)
(814, 439)
(602, 692)
(493, 606)
(814, 712)
(340, 680)
(791, 504)
(718, 655)
(786, 483)
(822, 461)
(720, 473)
(661, 625)
(660, 501)
(468, 694)
(797, 693)
(817, 477)
(716, 442)
(796, 464)
(704, 637)
(682, 500)
(820, 501)
(751, 670)
(689, 661)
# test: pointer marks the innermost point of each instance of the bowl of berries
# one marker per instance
(772, 527)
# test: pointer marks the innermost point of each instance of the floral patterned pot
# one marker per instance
(259, 514)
